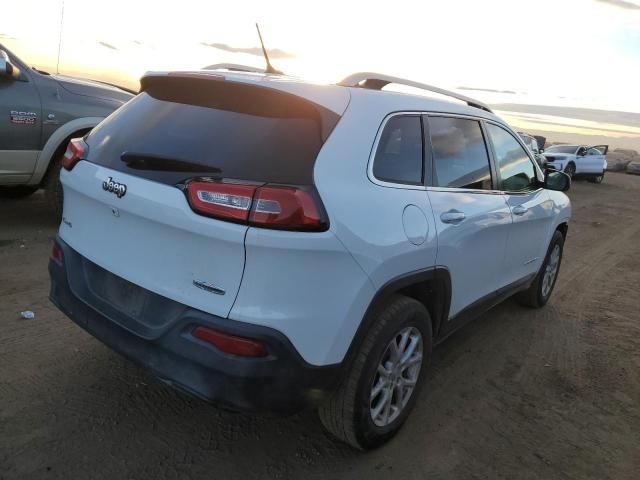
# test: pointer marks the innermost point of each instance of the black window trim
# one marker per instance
(494, 161)
(428, 156)
(374, 150)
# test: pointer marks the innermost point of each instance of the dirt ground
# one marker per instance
(517, 394)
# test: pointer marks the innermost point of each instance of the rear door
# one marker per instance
(594, 160)
(471, 216)
(126, 209)
(603, 149)
(531, 208)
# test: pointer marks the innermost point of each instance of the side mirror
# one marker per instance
(7, 69)
(556, 180)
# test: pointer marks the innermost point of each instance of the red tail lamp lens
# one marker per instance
(75, 151)
(56, 254)
(285, 207)
(231, 344)
(269, 206)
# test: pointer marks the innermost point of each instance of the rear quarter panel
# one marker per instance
(366, 217)
(305, 285)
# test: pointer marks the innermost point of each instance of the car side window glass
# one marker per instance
(399, 157)
(516, 168)
(460, 158)
(594, 151)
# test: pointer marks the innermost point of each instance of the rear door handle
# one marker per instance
(519, 210)
(453, 217)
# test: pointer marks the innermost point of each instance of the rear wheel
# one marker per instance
(17, 192)
(597, 179)
(380, 389)
(539, 291)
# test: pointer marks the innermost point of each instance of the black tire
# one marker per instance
(53, 188)
(570, 169)
(597, 179)
(17, 192)
(534, 297)
(347, 413)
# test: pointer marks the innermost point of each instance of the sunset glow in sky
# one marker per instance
(570, 53)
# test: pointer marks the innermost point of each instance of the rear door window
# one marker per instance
(399, 156)
(516, 168)
(460, 158)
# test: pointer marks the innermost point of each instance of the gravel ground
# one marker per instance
(517, 394)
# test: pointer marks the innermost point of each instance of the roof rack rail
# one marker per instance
(376, 81)
(234, 67)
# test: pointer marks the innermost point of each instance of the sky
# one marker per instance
(564, 53)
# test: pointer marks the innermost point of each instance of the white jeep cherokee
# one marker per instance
(267, 244)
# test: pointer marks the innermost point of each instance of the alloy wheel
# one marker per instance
(396, 376)
(550, 271)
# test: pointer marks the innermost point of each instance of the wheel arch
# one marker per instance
(57, 141)
(430, 286)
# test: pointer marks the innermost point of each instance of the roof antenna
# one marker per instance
(269, 68)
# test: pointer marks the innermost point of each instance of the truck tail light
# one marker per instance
(76, 150)
(281, 207)
(231, 344)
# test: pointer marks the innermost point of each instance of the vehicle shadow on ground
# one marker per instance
(123, 406)
(126, 423)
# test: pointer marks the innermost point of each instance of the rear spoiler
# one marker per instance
(214, 90)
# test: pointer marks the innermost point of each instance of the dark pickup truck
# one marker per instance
(39, 113)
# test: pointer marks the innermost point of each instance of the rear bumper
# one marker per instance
(281, 383)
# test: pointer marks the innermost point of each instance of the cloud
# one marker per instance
(108, 45)
(621, 4)
(273, 52)
(7, 36)
(511, 92)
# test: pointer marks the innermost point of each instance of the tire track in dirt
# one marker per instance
(564, 349)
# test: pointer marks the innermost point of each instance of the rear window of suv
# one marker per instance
(180, 128)
(399, 155)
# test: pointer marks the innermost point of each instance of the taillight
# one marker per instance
(56, 254)
(285, 207)
(75, 151)
(269, 206)
(221, 200)
(231, 344)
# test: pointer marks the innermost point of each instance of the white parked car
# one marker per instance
(266, 244)
(578, 160)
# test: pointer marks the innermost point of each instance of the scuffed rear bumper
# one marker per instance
(281, 383)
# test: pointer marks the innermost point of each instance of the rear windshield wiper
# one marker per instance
(144, 161)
